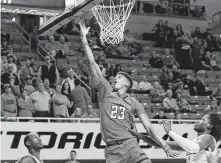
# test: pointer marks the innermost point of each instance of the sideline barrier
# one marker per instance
(85, 138)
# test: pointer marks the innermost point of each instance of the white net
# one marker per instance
(112, 19)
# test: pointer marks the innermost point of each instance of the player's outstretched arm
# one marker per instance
(202, 143)
(96, 72)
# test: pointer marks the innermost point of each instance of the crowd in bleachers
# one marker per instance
(31, 89)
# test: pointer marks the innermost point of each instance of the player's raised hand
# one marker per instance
(83, 29)
(170, 153)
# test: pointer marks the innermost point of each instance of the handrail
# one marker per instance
(215, 23)
(80, 120)
(44, 51)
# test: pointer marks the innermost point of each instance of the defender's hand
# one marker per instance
(172, 154)
(83, 29)
(166, 125)
(134, 132)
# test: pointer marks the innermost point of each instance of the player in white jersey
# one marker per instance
(203, 149)
(34, 145)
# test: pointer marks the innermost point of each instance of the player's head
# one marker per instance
(122, 81)
(73, 154)
(33, 142)
(210, 123)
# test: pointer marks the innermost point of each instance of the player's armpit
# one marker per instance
(205, 141)
(27, 159)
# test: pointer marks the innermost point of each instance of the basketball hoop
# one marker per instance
(112, 19)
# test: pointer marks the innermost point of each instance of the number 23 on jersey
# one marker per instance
(117, 112)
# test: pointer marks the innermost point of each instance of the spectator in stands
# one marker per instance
(5, 76)
(83, 70)
(197, 51)
(72, 159)
(47, 87)
(216, 95)
(168, 35)
(11, 60)
(171, 78)
(210, 40)
(50, 71)
(111, 81)
(135, 86)
(189, 82)
(170, 104)
(72, 28)
(60, 103)
(41, 100)
(183, 90)
(15, 90)
(25, 71)
(123, 51)
(90, 113)
(77, 113)
(162, 7)
(168, 59)
(70, 79)
(109, 70)
(157, 93)
(176, 73)
(117, 69)
(144, 86)
(177, 115)
(63, 48)
(182, 103)
(66, 90)
(160, 115)
(200, 88)
(197, 33)
(34, 67)
(164, 76)
(8, 103)
(29, 86)
(80, 96)
(189, 38)
(179, 30)
(5, 48)
(155, 61)
(213, 107)
(5, 36)
(51, 46)
(213, 62)
(159, 34)
(205, 61)
(25, 105)
(216, 44)
(206, 33)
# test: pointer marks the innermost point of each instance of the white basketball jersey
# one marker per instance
(36, 160)
(201, 156)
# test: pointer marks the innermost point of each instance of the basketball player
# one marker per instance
(34, 145)
(203, 149)
(116, 110)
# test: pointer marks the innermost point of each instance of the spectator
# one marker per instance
(197, 33)
(164, 76)
(123, 51)
(15, 88)
(11, 60)
(77, 113)
(169, 60)
(5, 76)
(63, 48)
(205, 61)
(71, 28)
(155, 61)
(159, 34)
(73, 155)
(208, 32)
(177, 116)
(51, 46)
(216, 95)
(213, 62)
(29, 86)
(90, 113)
(109, 70)
(83, 70)
(176, 73)
(160, 115)
(189, 82)
(197, 52)
(70, 79)
(200, 87)
(189, 38)
(5, 48)
(171, 78)
(168, 35)
(5, 36)
(50, 71)
(60, 103)
(41, 100)
(216, 44)
(144, 86)
(117, 69)
(80, 96)
(8, 103)
(210, 40)
(183, 105)
(184, 92)
(103, 68)
(213, 107)
(66, 90)
(135, 86)
(47, 87)
(179, 30)
(25, 105)
(34, 68)
(170, 104)
(25, 71)
(157, 93)
(162, 7)
(111, 81)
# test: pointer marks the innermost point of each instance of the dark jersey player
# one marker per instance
(117, 110)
